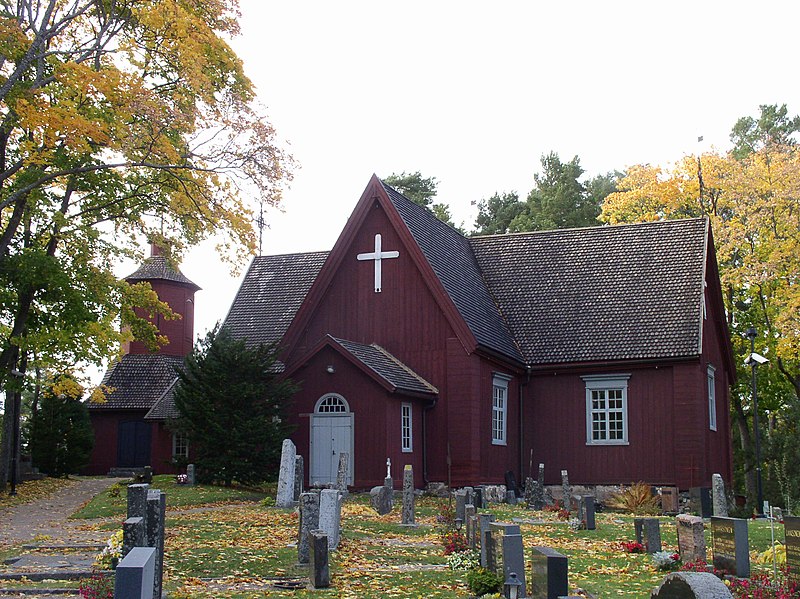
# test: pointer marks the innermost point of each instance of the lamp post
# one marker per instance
(753, 361)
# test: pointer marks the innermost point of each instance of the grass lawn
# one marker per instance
(226, 543)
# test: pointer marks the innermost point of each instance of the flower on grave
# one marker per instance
(779, 555)
(454, 542)
(576, 524)
(665, 560)
(98, 586)
(182, 479)
(111, 553)
(464, 560)
(631, 547)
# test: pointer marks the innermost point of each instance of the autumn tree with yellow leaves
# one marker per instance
(752, 197)
(119, 119)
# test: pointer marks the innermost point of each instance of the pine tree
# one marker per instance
(233, 404)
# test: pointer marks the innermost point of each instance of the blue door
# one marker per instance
(133, 444)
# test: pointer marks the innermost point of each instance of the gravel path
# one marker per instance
(49, 516)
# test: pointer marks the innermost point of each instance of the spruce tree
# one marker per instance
(233, 404)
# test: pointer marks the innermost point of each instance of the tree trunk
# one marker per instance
(5, 447)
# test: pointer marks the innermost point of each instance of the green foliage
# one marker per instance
(61, 435)
(233, 406)
(497, 215)
(420, 190)
(637, 499)
(483, 582)
(773, 127)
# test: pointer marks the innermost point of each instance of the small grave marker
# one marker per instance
(511, 483)
(191, 477)
(408, 518)
(285, 495)
(309, 520)
(330, 516)
(700, 501)
(566, 491)
(509, 554)
(588, 510)
(343, 473)
(648, 533)
(718, 499)
(299, 475)
(691, 585)
(484, 528)
(538, 495)
(134, 576)
(320, 572)
(730, 545)
(133, 534)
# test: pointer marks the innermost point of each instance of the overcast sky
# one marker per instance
(474, 93)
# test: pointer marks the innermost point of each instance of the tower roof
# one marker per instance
(158, 268)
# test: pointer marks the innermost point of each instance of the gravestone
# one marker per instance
(691, 542)
(299, 475)
(134, 577)
(538, 496)
(669, 500)
(330, 516)
(461, 502)
(191, 476)
(408, 518)
(137, 500)
(549, 574)
(566, 490)
(530, 486)
(777, 514)
(791, 528)
(155, 534)
(381, 499)
(309, 520)
(469, 520)
(477, 497)
(343, 473)
(509, 554)
(700, 501)
(730, 545)
(511, 497)
(484, 529)
(511, 483)
(473, 531)
(718, 499)
(285, 494)
(588, 511)
(133, 534)
(691, 585)
(493, 494)
(320, 575)
(648, 533)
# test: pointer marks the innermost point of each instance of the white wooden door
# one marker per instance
(331, 435)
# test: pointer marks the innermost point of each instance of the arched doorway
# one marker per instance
(331, 435)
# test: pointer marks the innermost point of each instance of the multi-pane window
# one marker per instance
(499, 409)
(712, 399)
(180, 446)
(607, 409)
(406, 437)
(332, 404)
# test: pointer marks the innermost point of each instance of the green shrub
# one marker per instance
(483, 582)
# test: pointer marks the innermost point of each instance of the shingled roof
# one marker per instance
(164, 408)
(399, 376)
(158, 268)
(602, 293)
(452, 259)
(270, 295)
(138, 381)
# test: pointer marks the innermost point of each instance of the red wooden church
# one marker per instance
(130, 427)
(603, 351)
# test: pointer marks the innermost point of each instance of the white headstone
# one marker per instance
(285, 495)
(330, 515)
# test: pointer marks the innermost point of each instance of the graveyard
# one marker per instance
(222, 542)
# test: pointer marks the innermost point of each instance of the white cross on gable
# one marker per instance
(377, 256)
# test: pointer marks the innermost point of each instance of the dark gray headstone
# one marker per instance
(477, 497)
(133, 534)
(320, 575)
(549, 574)
(484, 522)
(648, 533)
(538, 495)
(511, 483)
(191, 476)
(566, 491)
(700, 501)
(309, 520)
(135, 574)
(461, 502)
(155, 533)
(731, 546)
(588, 511)
(791, 528)
(691, 585)
(530, 486)
(514, 559)
(469, 523)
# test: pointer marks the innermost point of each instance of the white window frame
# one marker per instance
(500, 408)
(711, 389)
(175, 444)
(406, 428)
(605, 384)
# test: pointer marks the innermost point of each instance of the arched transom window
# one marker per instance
(332, 403)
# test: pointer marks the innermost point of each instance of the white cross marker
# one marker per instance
(377, 256)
